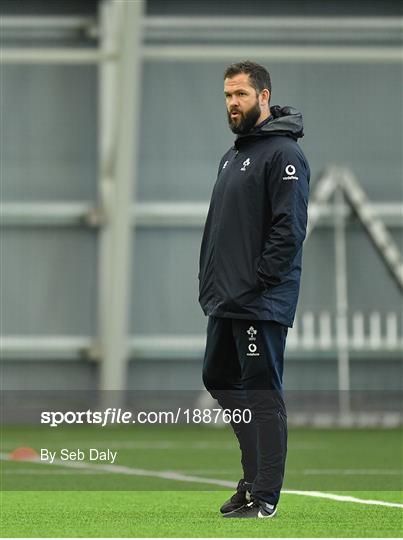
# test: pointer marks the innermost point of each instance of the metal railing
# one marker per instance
(371, 335)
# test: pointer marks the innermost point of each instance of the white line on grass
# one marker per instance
(170, 475)
(311, 472)
(349, 472)
(342, 498)
(48, 472)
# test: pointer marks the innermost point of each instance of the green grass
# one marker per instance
(41, 500)
(186, 514)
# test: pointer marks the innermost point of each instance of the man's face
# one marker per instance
(243, 109)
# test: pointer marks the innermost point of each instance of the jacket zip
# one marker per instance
(216, 229)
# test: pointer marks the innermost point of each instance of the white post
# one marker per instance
(358, 338)
(118, 146)
(308, 330)
(391, 339)
(325, 330)
(375, 330)
(343, 367)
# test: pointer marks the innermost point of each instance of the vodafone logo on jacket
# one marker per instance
(290, 171)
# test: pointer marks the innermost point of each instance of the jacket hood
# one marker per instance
(286, 121)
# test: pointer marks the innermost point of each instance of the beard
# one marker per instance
(246, 121)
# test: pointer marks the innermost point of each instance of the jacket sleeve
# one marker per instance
(287, 189)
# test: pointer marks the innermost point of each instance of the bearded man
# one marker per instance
(249, 279)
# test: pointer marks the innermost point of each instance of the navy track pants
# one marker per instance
(243, 369)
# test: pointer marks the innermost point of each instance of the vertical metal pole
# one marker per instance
(343, 367)
(109, 26)
(118, 146)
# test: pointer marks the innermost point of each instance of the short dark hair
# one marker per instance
(258, 75)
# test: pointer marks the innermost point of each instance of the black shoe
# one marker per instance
(240, 498)
(254, 509)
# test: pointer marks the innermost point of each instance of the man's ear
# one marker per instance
(265, 96)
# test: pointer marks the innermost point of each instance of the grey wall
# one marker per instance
(49, 131)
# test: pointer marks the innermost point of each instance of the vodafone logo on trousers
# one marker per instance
(252, 347)
(290, 171)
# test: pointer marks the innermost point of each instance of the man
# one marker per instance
(250, 267)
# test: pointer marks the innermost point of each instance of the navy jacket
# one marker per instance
(251, 252)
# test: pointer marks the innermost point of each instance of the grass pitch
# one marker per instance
(187, 514)
(40, 500)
